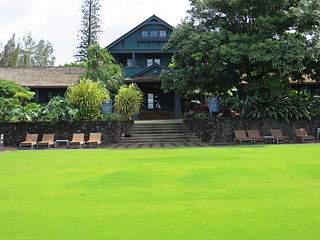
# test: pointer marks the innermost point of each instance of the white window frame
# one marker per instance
(163, 34)
(145, 33)
(150, 99)
(157, 61)
(129, 62)
(154, 33)
(149, 62)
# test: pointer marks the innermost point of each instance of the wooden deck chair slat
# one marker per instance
(77, 139)
(255, 135)
(241, 135)
(94, 139)
(47, 140)
(31, 141)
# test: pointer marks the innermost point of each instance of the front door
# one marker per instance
(156, 107)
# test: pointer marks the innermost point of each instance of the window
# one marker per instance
(150, 101)
(129, 63)
(149, 62)
(157, 61)
(144, 34)
(163, 34)
(154, 33)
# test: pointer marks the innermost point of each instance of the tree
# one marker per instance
(10, 54)
(10, 89)
(101, 66)
(225, 43)
(87, 96)
(89, 29)
(27, 54)
(43, 54)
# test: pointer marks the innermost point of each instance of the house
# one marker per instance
(46, 82)
(140, 52)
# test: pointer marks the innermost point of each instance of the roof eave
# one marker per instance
(146, 22)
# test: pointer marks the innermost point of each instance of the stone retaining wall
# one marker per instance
(220, 130)
(15, 133)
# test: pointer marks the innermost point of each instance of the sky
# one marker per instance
(58, 21)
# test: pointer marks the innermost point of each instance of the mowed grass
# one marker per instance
(223, 193)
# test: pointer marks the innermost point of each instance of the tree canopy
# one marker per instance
(10, 89)
(101, 66)
(29, 53)
(263, 43)
(89, 29)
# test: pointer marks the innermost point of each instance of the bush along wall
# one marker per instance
(111, 130)
(220, 130)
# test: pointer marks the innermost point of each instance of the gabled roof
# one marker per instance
(151, 20)
(154, 66)
(42, 77)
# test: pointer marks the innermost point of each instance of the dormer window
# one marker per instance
(163, 34)
(144, 34)
(154, 33)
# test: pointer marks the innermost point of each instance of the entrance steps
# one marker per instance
(164, 131)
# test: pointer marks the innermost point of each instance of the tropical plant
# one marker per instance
(10, 89)
(294, 106)
(59, 109)
(7, 108)
(87, 96)
(11, 110)
(128, 101)
(101, 66)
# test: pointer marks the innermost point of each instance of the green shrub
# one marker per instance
(59, 110)
(128, 101)
(8, 107)
(87, 96)
(296, 105)
(10, 89)
(11, 110)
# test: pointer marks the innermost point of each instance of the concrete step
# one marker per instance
(174, 136)
(160, 140)
(160, 132)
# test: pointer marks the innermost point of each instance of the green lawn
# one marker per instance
(223, 193)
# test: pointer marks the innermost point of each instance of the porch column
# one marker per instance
(134, 60)
(177, 105)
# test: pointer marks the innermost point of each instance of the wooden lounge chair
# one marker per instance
(94, 139)
(47, 141)
(77, 139)
(241, 136)
(278, 136)
(302, 135)
(31, 141)
(255, 136)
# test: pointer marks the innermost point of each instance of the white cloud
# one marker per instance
(58, 20)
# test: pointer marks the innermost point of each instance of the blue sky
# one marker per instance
(58, 20)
